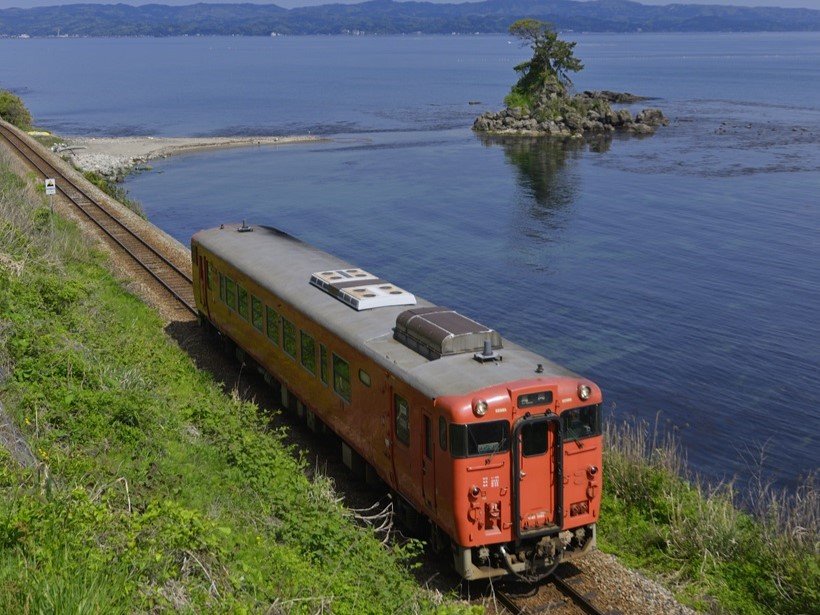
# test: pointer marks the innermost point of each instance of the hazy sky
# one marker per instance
(4, 4)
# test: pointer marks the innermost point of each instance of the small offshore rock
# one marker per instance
(640, 128)
(556, 113)
(652, 117)
(624, 98)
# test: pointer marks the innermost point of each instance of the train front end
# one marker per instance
(527, 475)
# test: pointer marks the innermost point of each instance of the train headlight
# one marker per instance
(480, 408)
(584, 392)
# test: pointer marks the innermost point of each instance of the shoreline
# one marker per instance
(116, 157)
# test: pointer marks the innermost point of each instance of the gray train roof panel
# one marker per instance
(284, 265)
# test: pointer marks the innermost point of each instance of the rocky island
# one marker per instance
(541, 103)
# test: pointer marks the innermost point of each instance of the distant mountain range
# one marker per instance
(388, 17)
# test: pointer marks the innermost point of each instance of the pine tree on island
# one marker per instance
(541, 102)
(552, 59)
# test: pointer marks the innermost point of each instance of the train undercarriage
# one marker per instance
(530, 558)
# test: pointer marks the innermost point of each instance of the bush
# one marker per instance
(14, 111)
(115, 191)
(519, 99)
(657, 517)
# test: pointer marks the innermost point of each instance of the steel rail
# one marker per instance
(104, 215)
(508, 602)
(578, 599)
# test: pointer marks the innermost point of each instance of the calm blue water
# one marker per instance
(681, 271)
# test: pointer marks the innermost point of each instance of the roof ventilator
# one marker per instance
(361, 290)
(487, 353)
(435, 332)
(244, 228)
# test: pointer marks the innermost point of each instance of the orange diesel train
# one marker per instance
(499, 448)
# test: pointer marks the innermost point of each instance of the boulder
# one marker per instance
(640, 128)
(625, 117)
(652, 117)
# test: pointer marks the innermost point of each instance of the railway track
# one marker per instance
(543, 599)
(129, 242)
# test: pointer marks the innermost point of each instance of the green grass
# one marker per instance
(716, 556)
(156, 490)
(114, 190)
(518, 99)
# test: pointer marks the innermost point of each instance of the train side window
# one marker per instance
(288, 337)
(230, 293)
(272, 319)
(222, 288)
(210, 274)
(534, 439)
(402, 419)
(364, 377)
(341, 377)
(323, 366)
(308, 352)
(256, 312)
(243, 302)
(442, 433)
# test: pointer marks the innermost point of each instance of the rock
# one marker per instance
(614, 97)
(573, 121)
(625, 117)
(640, 128)
(586, 113)
(652, 117)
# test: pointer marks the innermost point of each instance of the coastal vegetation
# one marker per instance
(541, 102)
(751, 550)
(384, 17)
(14, 111)
(137, 483)
(548, 69)
(116, 191)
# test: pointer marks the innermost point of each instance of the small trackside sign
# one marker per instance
(51, 187)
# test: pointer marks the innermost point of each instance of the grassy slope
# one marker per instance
(166, 493)
(717, 558)
(169, 494)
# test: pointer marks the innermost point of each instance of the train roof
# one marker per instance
(288, 268)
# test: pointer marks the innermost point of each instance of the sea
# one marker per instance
(679, 271)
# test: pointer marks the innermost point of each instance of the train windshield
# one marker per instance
(581, 422)
(479, 439)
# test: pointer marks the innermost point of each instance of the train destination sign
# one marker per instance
(541, 398)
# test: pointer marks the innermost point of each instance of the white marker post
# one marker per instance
(51, 190)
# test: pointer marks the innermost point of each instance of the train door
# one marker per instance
(537, 480)
(402, 453)
(204, 280)
(428, 466)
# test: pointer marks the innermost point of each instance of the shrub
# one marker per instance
(657, 516)
(13, 110)
(115, 191)
(520, 99)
